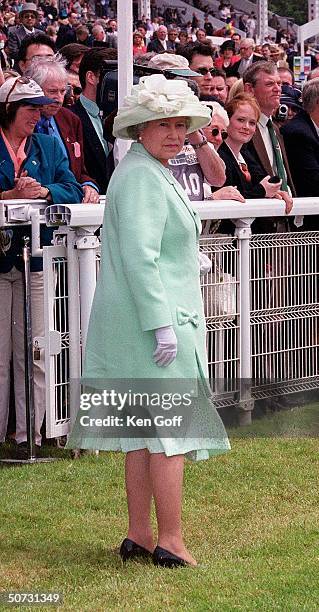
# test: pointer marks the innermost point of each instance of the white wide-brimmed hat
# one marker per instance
(156, 97)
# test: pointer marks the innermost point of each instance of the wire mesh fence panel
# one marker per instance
(62, 335)
(220, 298)
(284, 312)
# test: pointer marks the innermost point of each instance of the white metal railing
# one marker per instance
(261, 302)
(262, 315)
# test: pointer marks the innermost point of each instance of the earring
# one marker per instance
(139, 139)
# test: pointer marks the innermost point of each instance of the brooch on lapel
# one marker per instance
(77, 149)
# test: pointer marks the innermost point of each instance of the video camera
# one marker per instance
(107, 91)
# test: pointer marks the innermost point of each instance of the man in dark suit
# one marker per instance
(160, 43)
(98, 156)
(172, 35)
(28, 17)
(67, 30)
(5, 59)
(301, 137)
(267, 147)
(248, 57)
(99, 36)
(61, 123)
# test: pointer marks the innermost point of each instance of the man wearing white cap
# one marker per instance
(28, 17)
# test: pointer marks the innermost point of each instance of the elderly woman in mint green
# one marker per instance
(147, 321)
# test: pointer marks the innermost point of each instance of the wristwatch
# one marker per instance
(200, 144)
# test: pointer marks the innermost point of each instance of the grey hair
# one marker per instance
(310, 95)
(250, 41)
(40, 70)
(134, 131)
(252, 73)
(97, 28)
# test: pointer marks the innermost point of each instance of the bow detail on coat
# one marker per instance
(183, 317)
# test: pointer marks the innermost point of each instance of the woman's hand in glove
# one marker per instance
(205, 264)
(166, 348)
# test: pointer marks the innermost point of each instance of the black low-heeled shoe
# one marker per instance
(164, 558)
(131, 550)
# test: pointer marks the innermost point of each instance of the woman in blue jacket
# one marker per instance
(32, 166)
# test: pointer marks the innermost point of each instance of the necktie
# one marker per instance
(277, 153)
(44, 126)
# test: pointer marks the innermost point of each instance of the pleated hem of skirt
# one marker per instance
(194, 450)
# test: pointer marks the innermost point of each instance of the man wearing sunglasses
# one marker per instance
(28, 19)
(200, 58)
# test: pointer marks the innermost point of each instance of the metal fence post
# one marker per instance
(28, 351)
(74, 321)
(87, 246)
(243, 233)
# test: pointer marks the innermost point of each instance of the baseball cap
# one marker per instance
(23, 88)
(291, 96)
(175, 64)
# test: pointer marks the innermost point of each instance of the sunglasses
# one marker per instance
(216, 131)
(40, 57)
(204, 71)
(23, 80)
(29, 15)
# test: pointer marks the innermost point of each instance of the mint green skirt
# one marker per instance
(213, 441)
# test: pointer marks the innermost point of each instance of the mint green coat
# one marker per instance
(149, 278)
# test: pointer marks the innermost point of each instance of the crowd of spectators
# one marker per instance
(262, 140)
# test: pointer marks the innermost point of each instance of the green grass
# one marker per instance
(251, 518)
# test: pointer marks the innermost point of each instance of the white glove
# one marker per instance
(166, 348)
(205, 264)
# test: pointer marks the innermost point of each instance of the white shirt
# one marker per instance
(262, 125)
(316, 126)
(29, 31)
